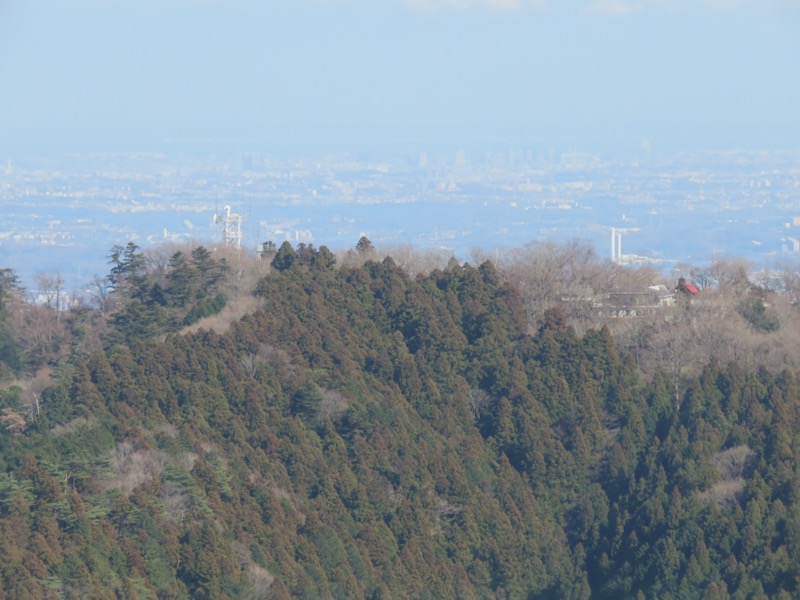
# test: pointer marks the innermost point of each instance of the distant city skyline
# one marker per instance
(65, 215)
(367, 76)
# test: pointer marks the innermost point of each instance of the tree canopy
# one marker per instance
(365, 434)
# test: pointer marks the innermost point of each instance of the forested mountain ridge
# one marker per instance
(369, 434)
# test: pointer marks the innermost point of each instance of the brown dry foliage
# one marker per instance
(234, 310)
(725, 493)
(13, 421)
(74, 425)
(732, 466)
(412, 260)
(134, 467)
(333, 404)
(733, 463)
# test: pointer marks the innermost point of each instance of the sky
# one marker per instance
(318, 75)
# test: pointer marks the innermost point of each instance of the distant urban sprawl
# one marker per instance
(67, 213)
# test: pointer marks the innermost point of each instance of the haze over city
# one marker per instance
(413, 109)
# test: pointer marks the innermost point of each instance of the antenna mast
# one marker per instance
(232, 228)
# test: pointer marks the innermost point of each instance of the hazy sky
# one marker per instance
(144, 74)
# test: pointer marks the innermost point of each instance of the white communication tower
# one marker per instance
(231, 227)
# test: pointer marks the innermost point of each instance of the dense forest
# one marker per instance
(319, 427)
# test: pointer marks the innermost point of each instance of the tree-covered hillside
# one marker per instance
(366, 434)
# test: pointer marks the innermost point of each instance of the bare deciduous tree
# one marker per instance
(729, 273)
(251, 362)
(100, 293)
(51, 291)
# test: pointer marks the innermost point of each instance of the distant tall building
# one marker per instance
(250, 161)
(616, 245)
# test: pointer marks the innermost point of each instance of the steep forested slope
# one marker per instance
(364, 434)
